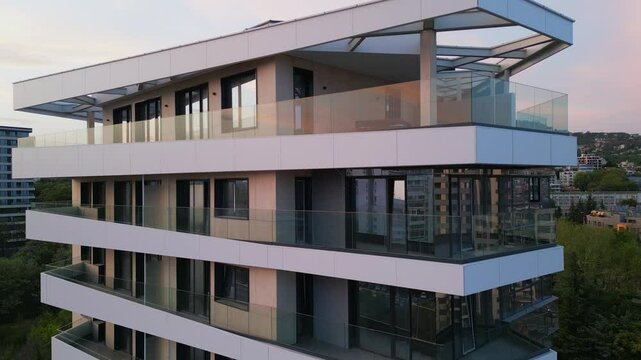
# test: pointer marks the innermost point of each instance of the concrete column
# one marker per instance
(91, 120)
(91, 123)
(428, 74)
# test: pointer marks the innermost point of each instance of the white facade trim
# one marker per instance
(457, 145)
(448, 278)
(274, 39)
(63, 351)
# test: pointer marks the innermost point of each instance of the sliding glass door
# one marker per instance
(379, 218)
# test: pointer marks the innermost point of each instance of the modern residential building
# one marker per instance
(343, 186)
(606, 200)
(15, 194)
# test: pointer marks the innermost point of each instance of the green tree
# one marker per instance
(599, 291)
(52, 190)
(628, 202)
(46, 326)
(609, 179)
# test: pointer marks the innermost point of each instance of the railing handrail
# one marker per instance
(322, 100)
(38, 206)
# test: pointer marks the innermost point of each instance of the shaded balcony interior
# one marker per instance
(432, 213)
(366, 321)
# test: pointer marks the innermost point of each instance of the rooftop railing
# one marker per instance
(461, 99)
(437, 237)
(330, 338)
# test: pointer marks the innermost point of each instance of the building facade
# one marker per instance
(590, 162)
(617, 220)
(15, 194)
(338, 186)
(605, 200)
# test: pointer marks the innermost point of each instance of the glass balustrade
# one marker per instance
(329, 339)
(460, 99)
(423, 236)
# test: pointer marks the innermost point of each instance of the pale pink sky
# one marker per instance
(39, 37)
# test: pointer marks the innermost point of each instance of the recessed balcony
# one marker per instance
(461, 99)
(431, 237)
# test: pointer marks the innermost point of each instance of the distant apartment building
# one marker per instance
(555, 184)
(606, 199)
(15, 194)
(566, 177)
(629, 167)
(620, 221)
(339, 186)
(590, 162)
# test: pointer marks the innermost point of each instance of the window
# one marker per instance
(239, 94)
(148, 110)
(232, 285)
(122, 339)
(192, 100)
(535, 189)
(122, 115)
(232, 198)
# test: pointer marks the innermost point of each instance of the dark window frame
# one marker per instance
(228, 294)
(118, 115)
(221, 205)
(142, 109)
(203, 90)
(226, 86)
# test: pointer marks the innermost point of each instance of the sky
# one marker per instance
(40, 37)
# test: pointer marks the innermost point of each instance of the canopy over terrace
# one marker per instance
(380, 38)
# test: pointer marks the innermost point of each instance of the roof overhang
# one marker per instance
(376, 29)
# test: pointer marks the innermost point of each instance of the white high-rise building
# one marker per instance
(338, 186)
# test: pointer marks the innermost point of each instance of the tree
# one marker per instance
(628, 202)
(52, 190)
(610, 179)
(599, 291)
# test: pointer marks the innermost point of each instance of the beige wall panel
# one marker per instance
(75, 253)
(109, 268)
(109, 335)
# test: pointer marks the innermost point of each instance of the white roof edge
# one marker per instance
(275, 39)
(247, 30)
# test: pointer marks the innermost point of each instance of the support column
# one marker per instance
(428, 77)
(91, 124)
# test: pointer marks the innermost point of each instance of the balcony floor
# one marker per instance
(505, 347)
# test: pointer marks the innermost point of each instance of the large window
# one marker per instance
(122, 115)
(147, 110)
(192, 100)
(232, 285)
(232, 198)
(239, 94)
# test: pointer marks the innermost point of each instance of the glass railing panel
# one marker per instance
(460, 98)
(313, 334)
(81, 335)
(420, 236)
(522, 338)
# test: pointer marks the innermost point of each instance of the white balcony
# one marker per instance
(449, 278)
